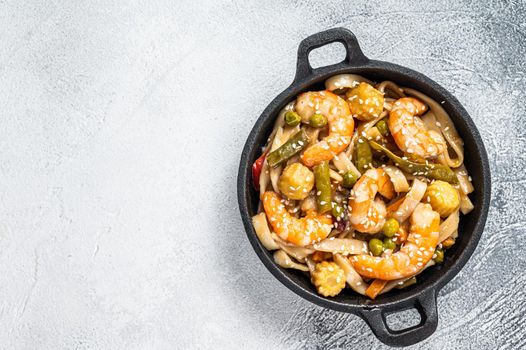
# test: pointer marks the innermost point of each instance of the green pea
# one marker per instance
(391, 227)
(292, 118)
(439, 256)
(337, 210)
(349, 179)
(382, 127)
(318, 120)
(376, 246)
(389, 244)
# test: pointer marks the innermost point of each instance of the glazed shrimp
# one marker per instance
(340, 120)
(367, 214)
(312, 228)
(416, 252)
(410, 133)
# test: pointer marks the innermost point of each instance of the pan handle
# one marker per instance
(425, 304)
(354, 55)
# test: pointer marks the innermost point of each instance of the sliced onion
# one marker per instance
(298, 253)
(341, 82)
(412, 198)
(308, 204)
(449, 226)
(310, 264)
(335, 176)
(373, 134)
(282, 259)
(393, 87)
(344, 164)
(260, 224)
(344, 246)
(398, 179)
(354, 279)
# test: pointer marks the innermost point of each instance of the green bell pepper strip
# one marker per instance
(294, 145)
(432, 171)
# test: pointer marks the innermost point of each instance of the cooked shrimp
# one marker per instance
(340, 120)
(312, 228)
(410, 133)
(367, 214)
(414, 254)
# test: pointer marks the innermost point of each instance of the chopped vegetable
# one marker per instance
(292, 118)
(337, 211)
(317, 120)
(349, 179)
(293, 146)
(389, 244)
(342, 82)
(323, 187)
(376, 246)
(375, 288)
(438, 256)
(363, 156)
(443, 197)
(256, 169)
(298, 253)
(408, 282)
(382, 127)
(282, 259)
(335, 176)
(344, 164)
(329, 278)
(432, 171)
(365, 101)
(448, 243)
(296, 181)
(308, 203)
(391, 226)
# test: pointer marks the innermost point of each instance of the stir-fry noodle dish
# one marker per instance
(361, 184)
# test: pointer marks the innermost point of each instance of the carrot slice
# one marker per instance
(375, 288)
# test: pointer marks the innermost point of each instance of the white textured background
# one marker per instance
(121, 129)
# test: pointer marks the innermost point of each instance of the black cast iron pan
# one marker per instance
(421, 296)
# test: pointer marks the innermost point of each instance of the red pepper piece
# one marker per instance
(256, 169)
